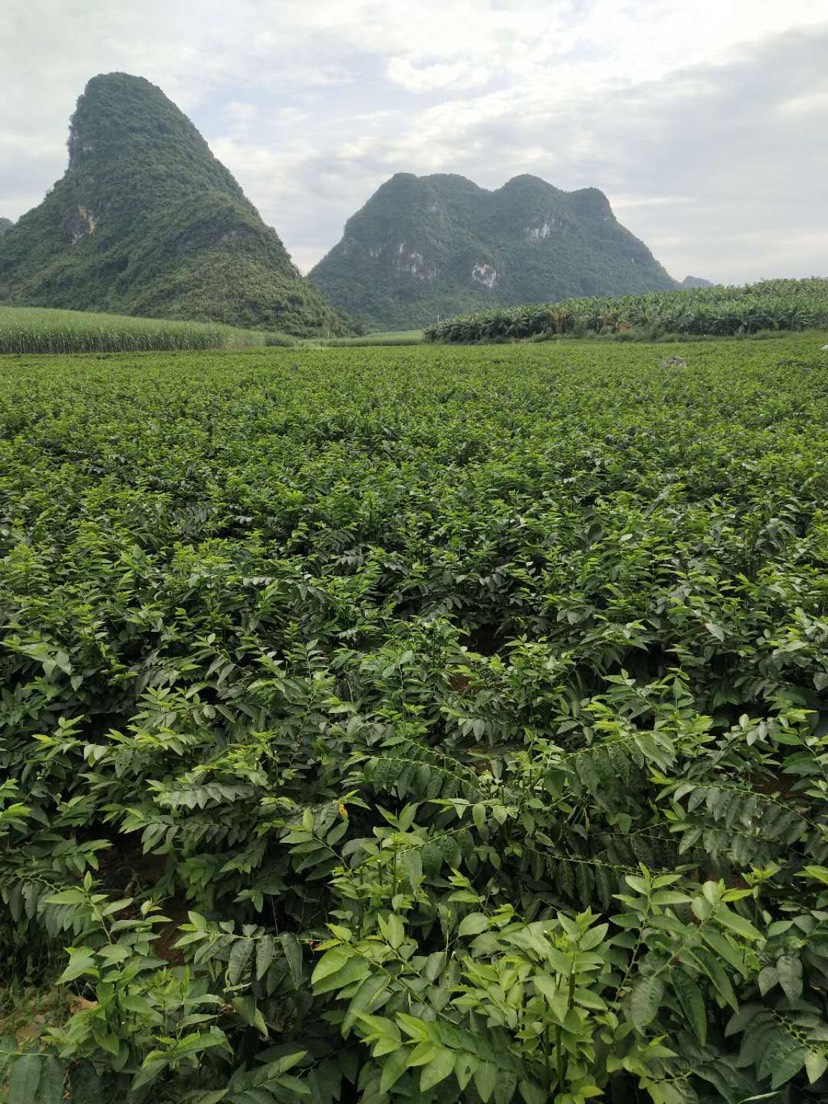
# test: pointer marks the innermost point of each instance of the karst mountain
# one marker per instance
(430, 246)
(147, 221)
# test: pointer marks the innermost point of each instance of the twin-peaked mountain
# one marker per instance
(430, 246)
(146, 221)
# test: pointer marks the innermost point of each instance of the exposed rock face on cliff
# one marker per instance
(427, 246)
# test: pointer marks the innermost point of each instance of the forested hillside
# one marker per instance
(428, 247)
(146, 221)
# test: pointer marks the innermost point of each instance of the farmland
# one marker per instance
(39, 330)
(379, 337)
(424, 724)
(769, 306)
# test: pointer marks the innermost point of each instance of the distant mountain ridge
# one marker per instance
(431, 246)
(5, 226)
(147, 221)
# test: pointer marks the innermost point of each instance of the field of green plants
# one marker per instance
(421, 725)
(773, 305)
(39, 330)
(379, 337)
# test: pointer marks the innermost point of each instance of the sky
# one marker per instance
(704, 121)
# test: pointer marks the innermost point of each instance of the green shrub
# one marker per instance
(774, 305)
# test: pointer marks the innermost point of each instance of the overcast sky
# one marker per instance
(704, 121)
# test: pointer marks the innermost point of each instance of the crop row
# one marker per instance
(782, 305)
(36, 330)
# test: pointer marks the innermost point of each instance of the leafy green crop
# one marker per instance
(415, 724)
(710, 311)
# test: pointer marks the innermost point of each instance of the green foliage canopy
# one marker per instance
(715, 311)
(422, 724)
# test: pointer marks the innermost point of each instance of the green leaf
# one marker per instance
(81, 962)
(640, 885)
(768, 978)
(364, 1000)
(715, 630)
(594, 937)
(485, 1080)
(819, 873)
(587, 999)
(422, 1053)
(725, 948)
(382, 1032)
(52, 1078)
(437, 1070)
(24, 1079)
(789, 972)
(736, 923)
(239, 957)
(473, 924)
(135, 1002)
(669, 897)
(507, 1087)
(251, 1014)
(554, 996)
(354, 970)
(742, 1018)
(150, 1071)
(702, 908)
(293, 953)
(393, 930)
(265, 953)
(330, 963)
(464, 1066)
(713, 969)
(788, 1066)
(289, 1061)
(692, 1003)
(533, 1094)
(393, 1069)
(815, 1065)
(645, 1001)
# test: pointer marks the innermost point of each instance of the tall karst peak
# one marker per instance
(438, 245)
(147, 221)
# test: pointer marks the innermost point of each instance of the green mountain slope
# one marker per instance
(146, 221)
(440, 245)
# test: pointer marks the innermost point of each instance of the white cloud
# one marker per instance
(445, 75)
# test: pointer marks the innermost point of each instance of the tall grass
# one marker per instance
(37, 330)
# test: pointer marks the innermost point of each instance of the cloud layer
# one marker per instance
(704, 122)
